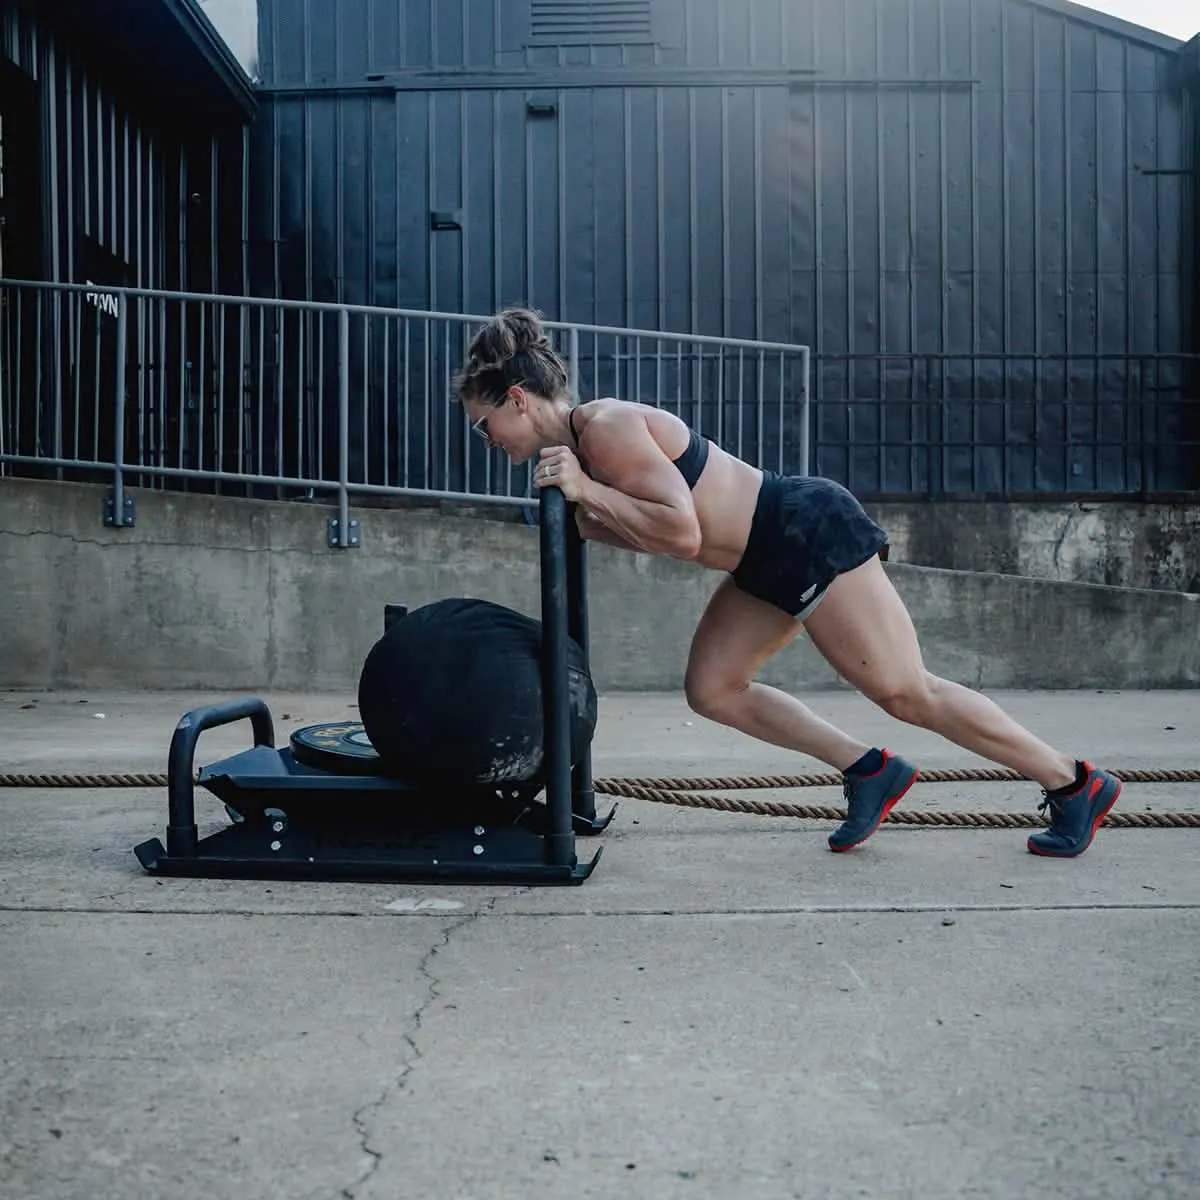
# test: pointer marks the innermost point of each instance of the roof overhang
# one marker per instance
(1125, 29)
(170, 51)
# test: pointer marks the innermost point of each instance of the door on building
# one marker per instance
(20, 258)
(20, 176)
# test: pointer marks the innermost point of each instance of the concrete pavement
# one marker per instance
(724, 1010)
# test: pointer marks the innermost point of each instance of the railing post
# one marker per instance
(573, 362)
(805, 404)
(343, 533)
(118, 508)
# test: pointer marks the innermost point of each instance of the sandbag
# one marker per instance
(452, 693)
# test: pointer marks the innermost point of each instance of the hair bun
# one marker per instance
(512, 334)
(517, 329)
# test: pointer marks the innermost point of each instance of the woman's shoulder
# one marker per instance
(613, 412)
(605, 412)
(612, 427)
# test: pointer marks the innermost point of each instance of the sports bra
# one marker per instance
(691, 462)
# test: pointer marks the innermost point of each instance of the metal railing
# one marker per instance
(293, 398)
(1007, 425)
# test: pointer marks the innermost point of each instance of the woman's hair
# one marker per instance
(512, 348)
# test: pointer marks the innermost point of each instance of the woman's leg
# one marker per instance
(736, 635)
(865, 633)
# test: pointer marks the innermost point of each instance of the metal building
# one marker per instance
(123, 144)
(981, 214)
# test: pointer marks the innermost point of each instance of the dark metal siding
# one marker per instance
(1191, 82)
(903, 177)
(118, 189)
(125, 191)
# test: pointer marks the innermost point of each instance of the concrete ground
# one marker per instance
(724, 1010)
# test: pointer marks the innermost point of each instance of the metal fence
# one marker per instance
(288, 398)
(1008, 425)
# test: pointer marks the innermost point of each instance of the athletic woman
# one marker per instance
(796, 552)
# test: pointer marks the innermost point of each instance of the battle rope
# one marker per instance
(83, 781)
(682, 792)
(815, 812)
(686, 793)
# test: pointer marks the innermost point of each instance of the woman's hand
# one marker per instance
(560, 468)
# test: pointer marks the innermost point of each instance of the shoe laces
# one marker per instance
(1053, 803)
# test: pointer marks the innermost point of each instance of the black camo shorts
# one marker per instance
(806, 531)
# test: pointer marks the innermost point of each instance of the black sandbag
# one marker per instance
(452, 693)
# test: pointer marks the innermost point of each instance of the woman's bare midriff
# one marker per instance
(725, 498)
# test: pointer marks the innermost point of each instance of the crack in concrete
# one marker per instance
(362, 1117)
(1056, 555)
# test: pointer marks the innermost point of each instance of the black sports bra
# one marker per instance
(691, 462)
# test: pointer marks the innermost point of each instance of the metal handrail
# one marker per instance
(329, 397)
(333, 306)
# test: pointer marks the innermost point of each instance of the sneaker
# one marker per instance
(869, 798)
(1075, 818)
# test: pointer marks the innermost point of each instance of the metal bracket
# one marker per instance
(335, 541)
(127, 517)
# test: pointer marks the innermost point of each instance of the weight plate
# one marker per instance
(342, 747)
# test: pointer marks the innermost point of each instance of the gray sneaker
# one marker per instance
(869, 798)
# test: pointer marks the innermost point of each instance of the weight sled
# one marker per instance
(291, 820)
(296, 815)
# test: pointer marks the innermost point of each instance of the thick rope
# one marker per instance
(83, 781)
(816, 812)
(686, 793)
(829, 779)
(678, 792)
(614, 787)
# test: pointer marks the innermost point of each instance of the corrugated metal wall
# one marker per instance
(130, 193)
(900, 177)
(1191, 76)
(115, 188)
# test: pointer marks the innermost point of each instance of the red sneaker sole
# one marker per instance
(883, 812)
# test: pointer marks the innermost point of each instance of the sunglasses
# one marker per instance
(480, 428)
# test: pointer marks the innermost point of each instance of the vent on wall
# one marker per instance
(589, 22)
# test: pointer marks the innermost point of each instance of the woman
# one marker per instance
(796, 552)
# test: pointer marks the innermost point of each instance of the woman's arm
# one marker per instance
(592, 530)
(646, 502)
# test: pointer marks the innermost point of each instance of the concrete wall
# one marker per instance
(1122, 543)
(225, 594)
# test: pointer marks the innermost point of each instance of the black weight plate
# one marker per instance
(342, 746)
